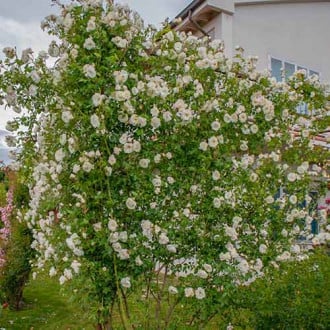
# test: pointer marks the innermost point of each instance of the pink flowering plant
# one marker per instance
(5, 225)
(153, 164)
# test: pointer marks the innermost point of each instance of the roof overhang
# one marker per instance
(202, 11)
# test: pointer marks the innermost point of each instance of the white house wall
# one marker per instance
(294, 32)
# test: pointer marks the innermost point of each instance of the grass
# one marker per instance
(46, 308)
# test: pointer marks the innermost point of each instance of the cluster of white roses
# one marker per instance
(185, 165)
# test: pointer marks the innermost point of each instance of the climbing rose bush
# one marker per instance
(157, 166)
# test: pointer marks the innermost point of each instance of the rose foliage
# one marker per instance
(154, 162)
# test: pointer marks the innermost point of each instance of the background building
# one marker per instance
(286, 35)
(289, 35)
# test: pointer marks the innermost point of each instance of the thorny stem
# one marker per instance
(170, 313)
(122, 313)
(159, 295)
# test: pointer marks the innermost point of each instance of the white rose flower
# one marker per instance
(87, 166)
(170, 180)
(97, 226)
(172, 290)
(76, 168)
(217, 202)
(157, 158)
(138, 261)
(203, 146)
(128, 148)
(52, 272)
(120, 42)
(216, 175)
(157, 181)
(35, 76)
(91, 26)
(66, 116)
(75, 265)
(144, 163)
(89, 43)
(171, 248)
(163, 239)
(97, 99)
(112, 225)
(62, 280)
(293, 199)
(142, 122)
(68, 274)
(213, 142)
(136, 146)
(292, 177)
(262, 248)
(254, 129)
(284, 233)
(112, 160)
(295, 249)
(89, 70)
(215, 125)
(95, 121)
(227, 118)
(253, 177)
(284, 256)
(244, 145)
(125, 282)
(202, 274)
(189, 292)
(208, 268)
(167, 116)
(155, 122)
(130, 203)
(200, 293)
(242, 117)
(243, 266)
(154, 111)
(123, 236)
(59, 155)
(269, 199)
(123, 254)
(225, 256)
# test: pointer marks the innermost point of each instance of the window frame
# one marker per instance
(309, 71)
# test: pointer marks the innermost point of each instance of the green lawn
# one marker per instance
(46, 308)
(296, 299)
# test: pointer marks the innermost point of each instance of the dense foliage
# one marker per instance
(154, 164)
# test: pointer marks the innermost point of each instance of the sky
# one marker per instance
(20, 27)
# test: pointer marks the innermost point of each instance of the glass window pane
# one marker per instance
(302, 109)
(276, 66)
(289, 70)
(311, 72)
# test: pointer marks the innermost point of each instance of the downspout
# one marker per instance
(198, 27)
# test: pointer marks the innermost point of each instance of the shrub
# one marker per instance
(15, 249)
(149, 154)
(15, 272)
(294, 297)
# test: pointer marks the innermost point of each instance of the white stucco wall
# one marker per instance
(295, 32)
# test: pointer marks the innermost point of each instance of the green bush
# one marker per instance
(296, 296)
(16, 270)
(3, 194)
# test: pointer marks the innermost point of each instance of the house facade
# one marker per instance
(288, 35)
(285, 35)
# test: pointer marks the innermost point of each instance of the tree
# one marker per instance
(154, 162)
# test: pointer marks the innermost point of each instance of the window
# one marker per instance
(282, 70)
